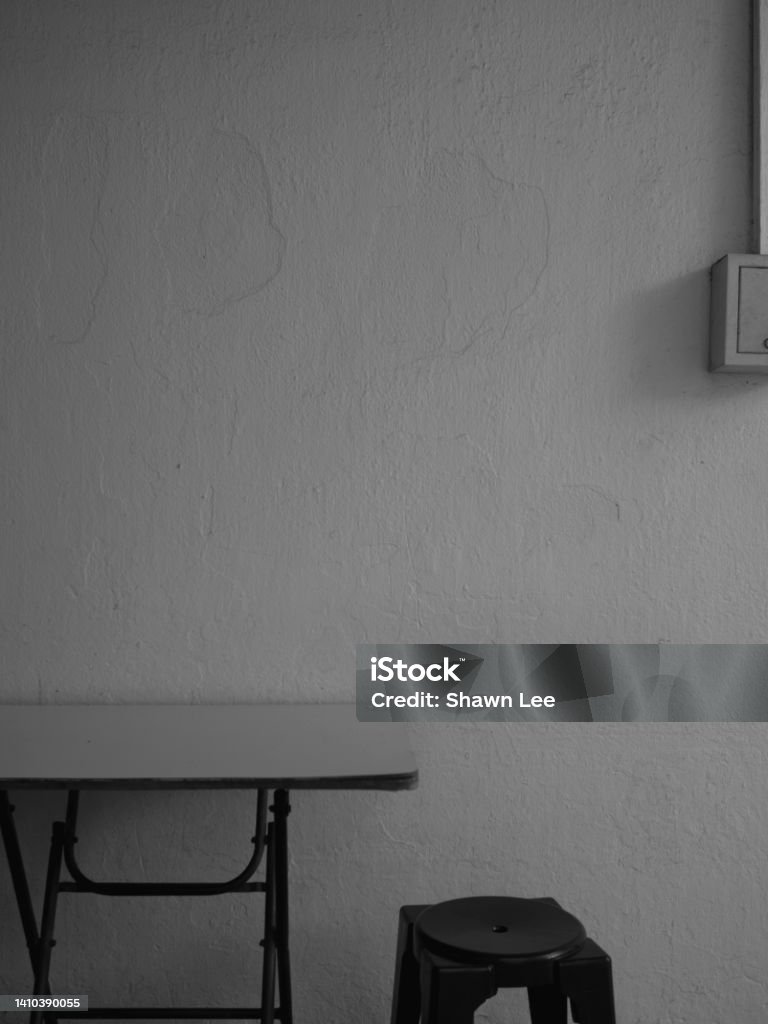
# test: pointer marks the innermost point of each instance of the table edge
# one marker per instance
(400, 781)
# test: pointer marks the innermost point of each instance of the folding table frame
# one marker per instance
(269, 836)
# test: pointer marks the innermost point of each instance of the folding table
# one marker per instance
(269, 748)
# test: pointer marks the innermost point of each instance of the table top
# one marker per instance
(200, 746)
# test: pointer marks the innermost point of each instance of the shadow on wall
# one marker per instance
(667, 328)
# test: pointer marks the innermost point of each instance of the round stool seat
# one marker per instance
(489, 928)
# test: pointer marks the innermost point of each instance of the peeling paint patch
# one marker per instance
(74, 264)
(219, 241)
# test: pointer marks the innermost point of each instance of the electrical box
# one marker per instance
(739, 315)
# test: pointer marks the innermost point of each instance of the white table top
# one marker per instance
(201, 746)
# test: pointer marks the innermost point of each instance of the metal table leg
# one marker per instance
(47, 921)
(18, 876)
(268, 942)
(282, 809)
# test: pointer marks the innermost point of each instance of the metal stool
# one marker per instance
(453, 956)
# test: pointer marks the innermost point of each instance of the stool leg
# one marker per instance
(406, 997)
(548, 1005)
(451, 992)
(587, 980)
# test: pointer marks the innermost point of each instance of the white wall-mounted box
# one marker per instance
(739, 315)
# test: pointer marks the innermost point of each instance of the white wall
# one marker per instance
(328, 323)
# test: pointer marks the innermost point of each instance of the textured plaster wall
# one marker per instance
(327, 323)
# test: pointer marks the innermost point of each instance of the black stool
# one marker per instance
(453, 956)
